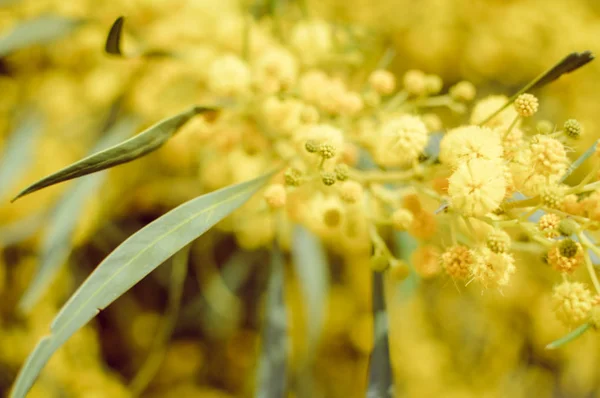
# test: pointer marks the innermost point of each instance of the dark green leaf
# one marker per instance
(113, 41)
(568, 64)
(113, 44)
(41, 30)
(380, 368)
(134, 148)
(272, 371)
(16, 157)
(56, 242)
(129, 263)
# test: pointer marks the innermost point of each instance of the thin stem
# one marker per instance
(512, 125)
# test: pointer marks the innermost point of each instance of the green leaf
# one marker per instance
(179, 270)
(380, 368)
(575, 334)
(41, 30)
(568, 64)
(17, 155)
(23, 229)
(134, 148)
(56, 242)
(129, 263)
(311, 266)
(272, 370)
(113, 40)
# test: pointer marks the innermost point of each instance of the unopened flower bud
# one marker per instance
(526, 105)
(572, 128)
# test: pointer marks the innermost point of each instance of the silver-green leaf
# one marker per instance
(135, 258)
(16, 157)
(272, 369)
(41, 30)
(56, 242)
(134, 148)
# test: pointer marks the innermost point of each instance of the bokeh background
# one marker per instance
(446, 340)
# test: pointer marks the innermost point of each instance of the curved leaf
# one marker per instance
(129, 263)
(56, 243)
(136, 147)
(272, 370)
(41, 30)
(113, 40)
(16, 157)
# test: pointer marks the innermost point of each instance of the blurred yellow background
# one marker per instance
(446, 340)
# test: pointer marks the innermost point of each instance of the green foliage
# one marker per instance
(17, 154)
(129, 263)
(134, 148)
(56, 243)
(272, 371)
(41, 30)
(380, 368)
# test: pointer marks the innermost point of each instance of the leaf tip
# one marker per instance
(113, 40)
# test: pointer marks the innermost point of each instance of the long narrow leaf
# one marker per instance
(311, 267)
(129, 263)
(16, 157)
(179, 270)
(579, 161)
(41, 30)
(56, 243)
(272, 371)
(134, 148)
(380, 369)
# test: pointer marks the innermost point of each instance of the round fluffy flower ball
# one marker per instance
(492, 269)
(548, 156)
(477, 187)
(228, 75)
(401, 140)
(572, 302)
(382, 81)
(312, 40)
(275, 70)
(469, 142)
(457, 261)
